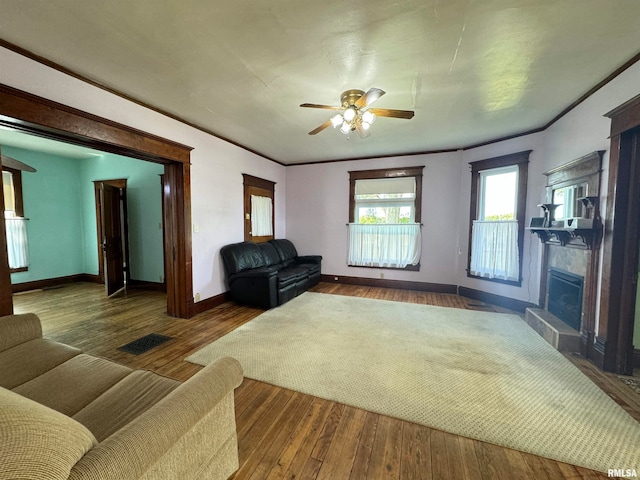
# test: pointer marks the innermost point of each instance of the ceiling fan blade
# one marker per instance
(320, 128)
(325, 107)
(387, 112)
(368, 98)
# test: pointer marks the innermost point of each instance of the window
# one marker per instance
(384, 218)
(259, 220)
(16, 224)
(498, 196)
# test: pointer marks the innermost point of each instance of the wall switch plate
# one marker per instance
(197, 297)
(196, 228)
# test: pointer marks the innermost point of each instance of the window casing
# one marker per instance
(14, 213)
(389, 202)
(497, 215)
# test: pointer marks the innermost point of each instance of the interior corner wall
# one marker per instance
(216, 165)
(52, 203)
(318, 213)
(144, 211)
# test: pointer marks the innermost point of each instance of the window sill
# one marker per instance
(410, 268)
(21, 269)
(496, 280)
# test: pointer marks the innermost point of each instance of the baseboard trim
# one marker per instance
(499, 300)
(636, 358)
(385, 283)
(211, 302)
(54, 282)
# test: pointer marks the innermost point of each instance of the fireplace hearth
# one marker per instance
(565, 296)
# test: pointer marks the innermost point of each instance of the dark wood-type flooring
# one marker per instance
(286, 434)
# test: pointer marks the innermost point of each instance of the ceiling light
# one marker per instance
(345, 128)
(368, 117)
(336, 121)
(365, 125)
(349, 114)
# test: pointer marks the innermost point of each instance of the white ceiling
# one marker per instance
(473, 70)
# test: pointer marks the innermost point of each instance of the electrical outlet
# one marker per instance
(161, 278)
(335, 279)
(381, 275)
(197, 297)
(196, 228)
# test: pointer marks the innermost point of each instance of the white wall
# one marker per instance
(318, 212)
(217, 166)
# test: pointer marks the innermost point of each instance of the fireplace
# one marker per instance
(565, 296)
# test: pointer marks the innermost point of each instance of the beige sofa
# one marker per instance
(68, 415)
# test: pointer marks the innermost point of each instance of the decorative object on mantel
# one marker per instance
(576, 231)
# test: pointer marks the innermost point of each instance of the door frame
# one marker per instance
(613, 346)
(120, 183)
(43, 117)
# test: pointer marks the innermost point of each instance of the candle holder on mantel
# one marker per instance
(549, 213)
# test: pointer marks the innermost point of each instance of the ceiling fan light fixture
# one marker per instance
(365, 125)
(368, 117)
(336, 121)
(349, 114)
(345, 128)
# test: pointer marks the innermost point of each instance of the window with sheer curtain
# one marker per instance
(384, 220)
(15, 223)
(497, 213)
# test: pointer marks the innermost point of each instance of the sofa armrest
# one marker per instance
(19, 328)
(159, 432)
(309, 259)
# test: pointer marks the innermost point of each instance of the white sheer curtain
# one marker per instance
(384, 245)
(17, 242)
(494, 250)
(261, 216)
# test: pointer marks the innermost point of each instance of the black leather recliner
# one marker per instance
(269, 274)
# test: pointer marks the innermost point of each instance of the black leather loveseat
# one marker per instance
(268, 274)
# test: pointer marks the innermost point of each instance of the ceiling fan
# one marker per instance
(355, 114)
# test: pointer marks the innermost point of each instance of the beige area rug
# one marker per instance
(482, 375)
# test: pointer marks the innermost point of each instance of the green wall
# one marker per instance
(59, 201)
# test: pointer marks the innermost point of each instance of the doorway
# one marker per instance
(39, 116)
(112, 223)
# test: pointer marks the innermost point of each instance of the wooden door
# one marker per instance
(112, 238)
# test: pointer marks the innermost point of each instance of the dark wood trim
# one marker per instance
(415, 171)
(54, 282)
(6, 299)
(71, 73)
(386, 283)
(521, 160)
(499, 300)
(620, 244)
(211, 302)
(267, 188)
(40, 116)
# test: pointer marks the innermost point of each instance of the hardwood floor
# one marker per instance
(286, 434)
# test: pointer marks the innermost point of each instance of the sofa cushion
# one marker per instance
(28, 360)
(38, 442)
(74, 384)
(19, 328)
(290, 275)
(286, 250)
(270, 254)
(123, 402)
(241, 256)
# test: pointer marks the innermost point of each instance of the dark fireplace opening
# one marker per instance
(565, 296)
